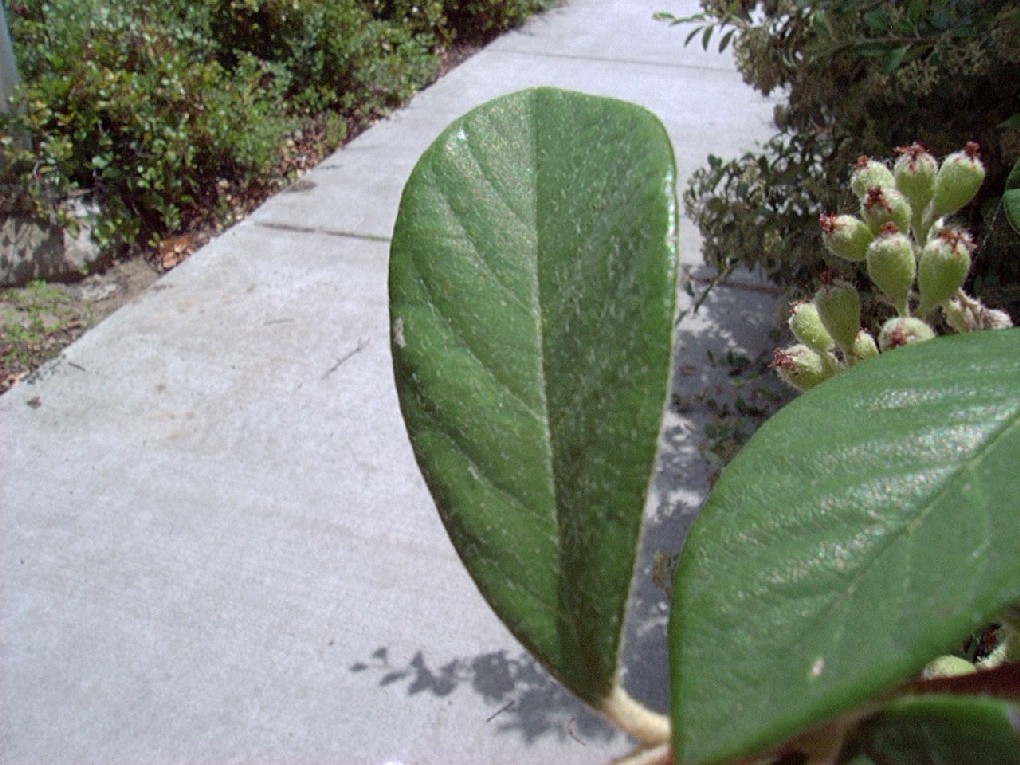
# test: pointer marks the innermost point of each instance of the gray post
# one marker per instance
(9, 80)
(8, 65)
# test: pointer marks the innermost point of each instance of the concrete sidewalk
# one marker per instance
(215, 544)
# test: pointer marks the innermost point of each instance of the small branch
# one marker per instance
(570, 731)
(505, 708)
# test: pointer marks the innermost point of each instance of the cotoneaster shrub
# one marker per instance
(848, 593)
(480, 20)
(857, 77)
(161, 110)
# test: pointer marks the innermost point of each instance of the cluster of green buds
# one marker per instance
(914, 257)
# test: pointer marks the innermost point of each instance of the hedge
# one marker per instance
(162, 111)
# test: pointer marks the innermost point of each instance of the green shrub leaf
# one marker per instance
(1011, 197)
(1013, 179)
(1011, 204)
(532, 289)
(864, 530)
(894, 58)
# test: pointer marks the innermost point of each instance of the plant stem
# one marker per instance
(649, 728)
(658, 755)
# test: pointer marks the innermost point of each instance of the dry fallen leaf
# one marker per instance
(174, 249)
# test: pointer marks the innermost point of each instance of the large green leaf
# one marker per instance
(864, 529)
(942, 730)
(532, 289)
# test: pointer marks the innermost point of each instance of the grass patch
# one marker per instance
(36, 322)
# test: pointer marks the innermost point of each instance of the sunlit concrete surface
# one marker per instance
(215, 544)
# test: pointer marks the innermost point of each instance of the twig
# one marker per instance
(498, 712)
(362, 344)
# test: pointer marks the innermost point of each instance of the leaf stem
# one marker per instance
(657, 755)
(649, 728)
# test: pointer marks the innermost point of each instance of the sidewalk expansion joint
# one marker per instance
(291, 228)
(733, 282)
(605, 60)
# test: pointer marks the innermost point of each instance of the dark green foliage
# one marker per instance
(424, 18)
(861, 77)
(480, 20)
(161, 109)
(130, 101)
(335, 53)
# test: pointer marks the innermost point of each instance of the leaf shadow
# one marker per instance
(722, 391)
(525, 700)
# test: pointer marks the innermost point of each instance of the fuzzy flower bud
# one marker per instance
(891, 266)
(846, 236)
(943, 267)
(839, 309)
(807, 327)
(867, 174)
(967, 314)
(915, 172)
(957, 181)
(864, 347)
(800, 367)
(903, 330)
(886, 205)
